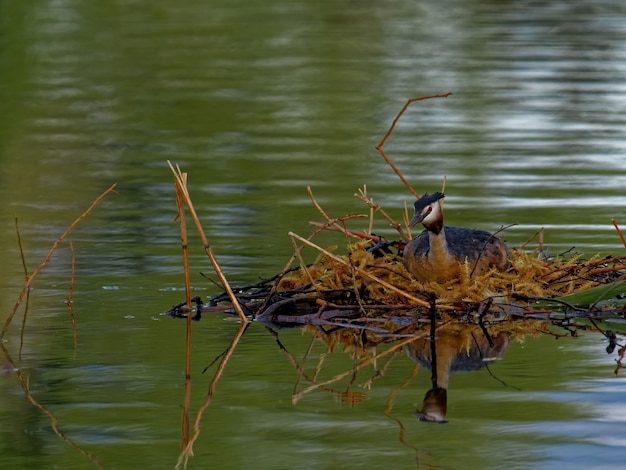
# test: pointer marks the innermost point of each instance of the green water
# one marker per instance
(257, 101)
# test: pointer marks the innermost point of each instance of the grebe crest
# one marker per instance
(436, 253)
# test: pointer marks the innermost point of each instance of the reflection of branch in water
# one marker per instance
(187, 452)
(484, 359)
(389, 407)
(363, 363)
(54, 423)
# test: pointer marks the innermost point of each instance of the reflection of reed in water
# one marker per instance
(455, 350)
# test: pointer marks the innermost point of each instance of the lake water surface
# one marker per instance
(256, 101)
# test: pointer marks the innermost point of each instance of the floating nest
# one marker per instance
(371, 283)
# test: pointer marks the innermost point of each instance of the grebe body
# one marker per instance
(436, 253)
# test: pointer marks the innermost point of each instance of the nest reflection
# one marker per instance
(441, 346)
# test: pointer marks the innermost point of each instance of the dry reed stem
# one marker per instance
(539, 233)
(619, 232)
(352, 233)
(443, 191)
(187, 452)
(304, 267)
(379, 147)
(25, 267)
(332, 223)
(181, 184)
(360, 271)
(30, 278)
(185, 252)
(362, 195)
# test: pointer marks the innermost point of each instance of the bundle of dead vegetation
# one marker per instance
(367, 280)
(365, 283)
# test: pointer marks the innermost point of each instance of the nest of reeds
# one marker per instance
(369, 281)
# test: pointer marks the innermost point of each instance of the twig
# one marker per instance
(30, 278)
(185, 252)
(482, 250)
(352, 233)
(25, 267)
(320, 228)
(333, 224)
(379, 147)
(362, 195)
(181, 184)
(361, 271)
(304, 267)
(619, 232)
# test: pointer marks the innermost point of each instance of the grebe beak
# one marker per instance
(417, 218)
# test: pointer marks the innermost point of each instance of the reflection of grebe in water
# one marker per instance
(452, 355)
(435, 254)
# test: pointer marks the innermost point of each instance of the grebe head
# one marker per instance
(427, 209)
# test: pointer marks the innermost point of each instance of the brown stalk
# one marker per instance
(25, 267)
(351, 233)
(185, 252)
(619, 232)
(379, 147)
(362, 195)
(304, 267)
(29, 279)
(360, 271)
(182, 187)
(332, 223)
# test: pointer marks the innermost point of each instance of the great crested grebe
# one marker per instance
(436, 253)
